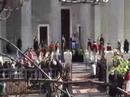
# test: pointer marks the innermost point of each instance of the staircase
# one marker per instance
(83, 72)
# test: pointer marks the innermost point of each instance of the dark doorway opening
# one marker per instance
(65, 26)
(43, 35)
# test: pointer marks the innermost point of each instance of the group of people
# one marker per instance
(95, 47)
(46, 57)
(126, 46)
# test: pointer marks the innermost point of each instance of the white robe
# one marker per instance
(68, 57)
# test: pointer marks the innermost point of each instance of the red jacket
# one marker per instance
(94, 47)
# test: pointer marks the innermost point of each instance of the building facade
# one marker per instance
(49, 19)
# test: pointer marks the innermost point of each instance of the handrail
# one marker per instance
(25, 50)
(123, 91)
(52, 80)
(11, 70)
(35, 64)
(68, 93)
(2, 54)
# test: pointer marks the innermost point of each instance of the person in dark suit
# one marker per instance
(119, 45)
(101, 45)
(101, 40)
(35, 44)
(19, 43)
(89, 45)
(126, 46)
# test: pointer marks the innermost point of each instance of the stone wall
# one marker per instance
(13, 27)
(111, 19)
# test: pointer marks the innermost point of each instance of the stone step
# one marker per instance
(81, 68)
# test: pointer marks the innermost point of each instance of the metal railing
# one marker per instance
(19, 73)
(124, 92)
(35, 64)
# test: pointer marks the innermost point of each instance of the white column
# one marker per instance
(55, 21)
(112, 23)
(105, 23)
(97, 26)
(127, 19)
(121, 20)
(92, 23)
(87, 23)
(26, 33)
(75, 14)
(116, 21)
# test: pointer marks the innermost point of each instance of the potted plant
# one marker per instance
(117, 74)
(120, 66)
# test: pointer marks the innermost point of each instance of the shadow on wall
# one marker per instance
(9, 49)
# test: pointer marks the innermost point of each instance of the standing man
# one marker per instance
(35, 45)
(62, 47)
(101, 40)
(119, 45)
(89, 47)
(126, 46)
(101, 47)
(94, 46)
(63, 42)
(19, 45)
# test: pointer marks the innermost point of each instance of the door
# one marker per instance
(65, 26)
(43, 34)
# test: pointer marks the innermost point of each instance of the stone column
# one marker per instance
(92, 23)
(26, 29)
(112, 23)
(75, 13)
(104, 23)
(116, 20)
(127, 19)
(55, 21)
(2, 34)
(87, 23)
(97, 24)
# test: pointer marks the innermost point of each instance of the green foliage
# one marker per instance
(121, 67)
